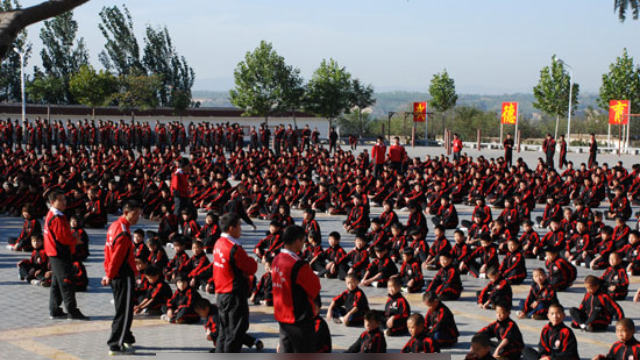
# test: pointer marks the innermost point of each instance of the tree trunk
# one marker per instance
(555, 136)
(12, 22)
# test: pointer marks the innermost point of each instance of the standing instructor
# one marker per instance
(120, 271)
(231, 270)
(295, 289)
(59, 245)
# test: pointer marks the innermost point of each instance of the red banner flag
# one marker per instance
(420, 111)
(509, 113)
(619, 112)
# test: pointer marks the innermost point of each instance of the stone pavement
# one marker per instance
(26, 331)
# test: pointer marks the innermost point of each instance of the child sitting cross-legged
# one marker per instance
(397, 309)
(420, 341)
(350, 306)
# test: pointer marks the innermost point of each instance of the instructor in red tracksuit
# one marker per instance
(295, 292)
(180, 186)
(120, 271)
(59, 245)
(231, 269)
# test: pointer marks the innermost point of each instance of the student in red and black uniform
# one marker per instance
(157, 254)
(420, 341)
(498, 289)
(37, 265)
(580, 248)
(180, 261)
(513, 266)
(416, 219)
(557, 341)
(140, 248)
(355, 261)
(482, 258)
(620, 206)
(198, 266)
(615, 279)
(350, 306)
(440, 246)
(82, 247)
(31, 226)
(410, 273)
(180, 186)
(529, 239)
(510, 344)
(627, 347)
(156, 294)
(263, 292)
(334, 255)
(446, 283)
(209, 232)
(96, 215)
(380, 269)
(59, 245)
(439, 321)
(179, 309)
(561, 273)
(541, 296)
(120, 272)
(357, 219)
(446, 216)
(271, 244)
(295, 292)
(597, 309)
(372, 339)
(397, 309)
(232, 267)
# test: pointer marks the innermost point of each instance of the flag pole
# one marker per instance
(515, 136)
(426, 123)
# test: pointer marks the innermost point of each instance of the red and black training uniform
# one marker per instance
(421, 343)
(181, 303)
(232, 266)
(369, 342)
(119, 266)
(544, 295)
(397, 308)
(625, 350)
(348, 300)
(296, 291)
(616, 276)
(558, 342)
(506, 329)
(596, 311)
(441, 326)
(446, 283)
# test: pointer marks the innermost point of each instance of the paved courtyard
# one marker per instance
(27, 333)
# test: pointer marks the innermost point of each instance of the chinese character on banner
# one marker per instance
(509, 113)
(420, 111)
(619, 112)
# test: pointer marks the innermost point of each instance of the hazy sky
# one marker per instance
(490, 46)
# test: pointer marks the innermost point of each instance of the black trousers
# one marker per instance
(61, 286)
(297, 338)
(123, 301)
(234, 322)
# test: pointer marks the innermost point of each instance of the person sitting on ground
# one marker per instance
(597, 309)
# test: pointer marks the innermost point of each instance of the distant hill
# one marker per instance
(401, 101)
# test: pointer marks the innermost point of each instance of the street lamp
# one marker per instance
(21, 54)
(570, 100)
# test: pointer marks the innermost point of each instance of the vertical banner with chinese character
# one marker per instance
(619, 112)
(509, 113)
(420, 111)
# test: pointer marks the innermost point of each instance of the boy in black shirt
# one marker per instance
(350, 306)
(372, 339)
(396, 310)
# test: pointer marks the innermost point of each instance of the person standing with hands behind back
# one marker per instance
(232, 267)
(295, 290)
(120, 271)
(59, 245)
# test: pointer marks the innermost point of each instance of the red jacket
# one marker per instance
(377, 153)
(179, 183)
(58, 239)
(119, 251)
(397, 153)
(457, 145)
(295, 287)
(231, 266)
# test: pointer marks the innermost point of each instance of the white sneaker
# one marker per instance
(164, 317)
(584, 265)
(9, 247)
(128, 348)
(575, 263)
(36, 282)
(404, 289)
(112, 301)
(630, 273)
(482, 276)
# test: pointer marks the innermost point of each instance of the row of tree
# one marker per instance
(132, 78)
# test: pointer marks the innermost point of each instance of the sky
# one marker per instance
(488, 47)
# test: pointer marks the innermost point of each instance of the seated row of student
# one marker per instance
(31, 226)
(372, 338)
(541, 296)
(557, 341)
(153, 292)
(597, 309)
(179, 308)
(627, 347)
(380, 269)
(507, 332)
(350, 306)
(209, 312)
(498, 289)
(446, 283)
(263, 292)
(439, 321)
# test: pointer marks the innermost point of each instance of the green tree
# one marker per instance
(361, 97)
(622, 82)
(60, 58)
(263, 82)
(552, 91)
(328, 91)
(121, 53)
(10, 88)
(138, 92)
(45, 89)
(161, 58)
(443, 94)
(622, 6)
(91, 88)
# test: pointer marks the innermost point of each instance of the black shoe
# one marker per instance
(259, 346)
(57, 314)
(77, 315)
(212, 350)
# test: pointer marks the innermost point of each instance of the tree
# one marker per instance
(161, 58)
(14, 21)
(552, 91)
(10, 87)
(60, 59)
(45, 89)
(622, 6)
(138, 92)
(622, 82)
(328, 91)
(443, 93)
(121, 53)
(91, 88)
(361, 97)
(264, 83)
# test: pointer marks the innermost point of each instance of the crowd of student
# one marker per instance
(98, 170)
